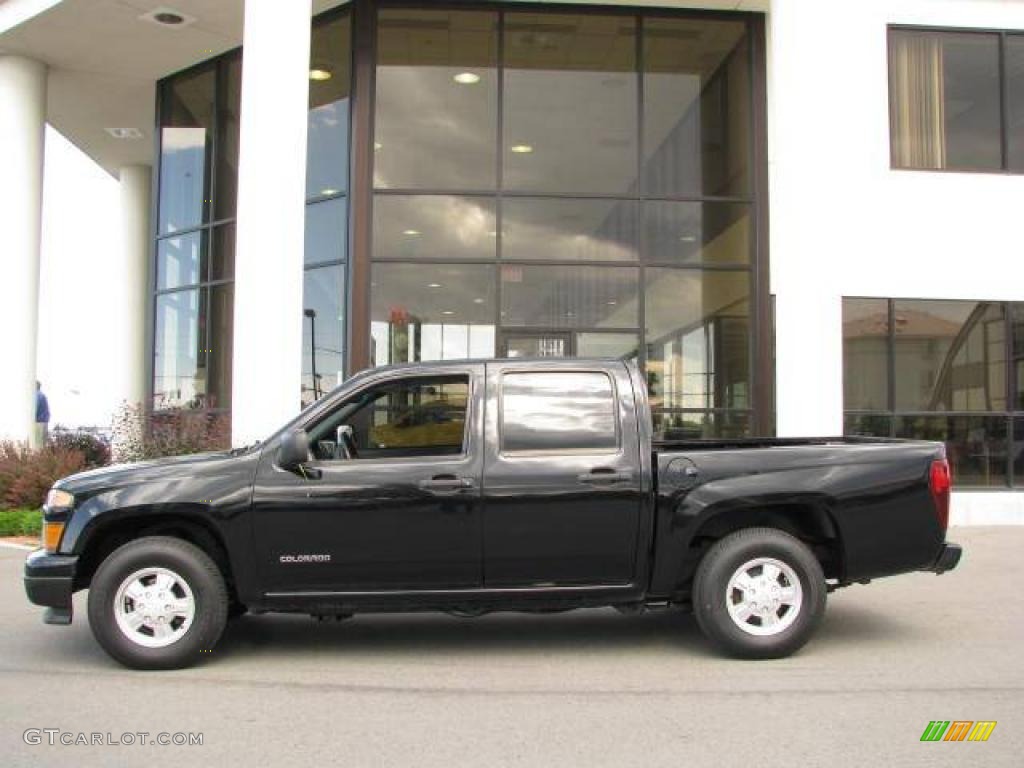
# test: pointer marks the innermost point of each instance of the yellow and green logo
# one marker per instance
(958, 730)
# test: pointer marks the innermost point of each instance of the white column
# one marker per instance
(271, 197)
(22, 123)
(135, 278)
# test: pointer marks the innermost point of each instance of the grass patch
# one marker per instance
(20, 522)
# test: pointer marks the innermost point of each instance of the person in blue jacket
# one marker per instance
(42, 416)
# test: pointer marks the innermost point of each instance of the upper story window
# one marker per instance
(956, 100)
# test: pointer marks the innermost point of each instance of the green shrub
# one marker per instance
(21, 522)
(26, 475)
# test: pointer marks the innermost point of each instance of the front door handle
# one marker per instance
(446, 484)
(604, 476)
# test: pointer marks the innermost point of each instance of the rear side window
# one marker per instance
(557, 411)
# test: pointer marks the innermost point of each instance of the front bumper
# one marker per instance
(49, 581)
(948, 559)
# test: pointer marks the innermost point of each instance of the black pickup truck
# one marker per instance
(469, 487)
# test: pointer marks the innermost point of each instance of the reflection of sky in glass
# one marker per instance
(182, 174)
(178, 261)
(176, 349)
(326, 232)
(327, 149)
(323, 292)
(557, 411)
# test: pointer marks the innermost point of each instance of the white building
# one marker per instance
(717, 188)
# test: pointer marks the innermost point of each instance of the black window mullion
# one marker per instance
(1004, 100)
(891, 368)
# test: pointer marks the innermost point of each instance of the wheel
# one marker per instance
(759, 593)
(157, 603)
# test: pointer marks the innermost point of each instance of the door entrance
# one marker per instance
(537, 344)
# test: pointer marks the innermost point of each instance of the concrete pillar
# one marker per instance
(271, 210)
(135, 280)
(22, 124)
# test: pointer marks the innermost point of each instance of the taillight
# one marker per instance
(940, 481)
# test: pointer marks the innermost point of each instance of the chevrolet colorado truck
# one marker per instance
(478, 486)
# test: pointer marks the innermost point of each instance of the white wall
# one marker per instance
(843, 223)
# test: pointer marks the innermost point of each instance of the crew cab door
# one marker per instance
(403, 513)
(562, 484)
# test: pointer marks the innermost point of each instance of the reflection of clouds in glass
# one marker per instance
(433, 226)
(179, 139)
(557, 411)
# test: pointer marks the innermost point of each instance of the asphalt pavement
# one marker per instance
(588, 688)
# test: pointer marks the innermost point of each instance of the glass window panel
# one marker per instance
(326, 230)
(228, 122)
(178, 351)
(431, 312)
(696, 425)
(865, 354)
(1018, 452)
(181, 260)
(1014, 64)
(409, 417)
(944, 102)
(219, 345)
(975, 445)
(868, 424)
(585, 230)
(949, 356)
(569, 297)
(698, 338)
(694, 233)
(570, 103)
(329, 92)
(323, 331)
(186, 140)
(620, 345)
(558, 411)
(1017, 320)
(433, 226)
(437, 99)
(222, 253)
(696, 107)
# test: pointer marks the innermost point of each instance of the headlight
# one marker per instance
(58, 499)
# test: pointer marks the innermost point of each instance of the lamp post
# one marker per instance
(311, 314)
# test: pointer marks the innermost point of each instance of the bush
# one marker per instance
(174, 432)
(93, 448)
(26, 475)
(21, 522)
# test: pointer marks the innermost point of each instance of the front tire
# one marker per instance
(759, 593)
(157, 603)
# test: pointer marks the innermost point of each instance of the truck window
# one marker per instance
(558, 411)
(422, 416)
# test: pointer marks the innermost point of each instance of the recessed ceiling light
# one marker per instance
(411, 232)
(168, 17)
(377, 145)
(688, 239)
(478, 301)
(521, 149)
(570, 314)
(612, 303)
(329, 191)
(467, 78)
(433, 285)
(320, 74)
(125, 133)
(447, 312)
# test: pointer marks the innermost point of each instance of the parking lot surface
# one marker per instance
(586, 688)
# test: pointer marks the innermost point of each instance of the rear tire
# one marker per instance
(759, 593)
(157, 603)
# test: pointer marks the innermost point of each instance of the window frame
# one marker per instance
(515, 453)
(1004, 115)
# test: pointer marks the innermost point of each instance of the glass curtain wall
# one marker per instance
(327, 174)
(198, 172)
(940, 370)
(569, 184)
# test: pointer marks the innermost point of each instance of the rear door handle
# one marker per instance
(604, 477)
(446, 484)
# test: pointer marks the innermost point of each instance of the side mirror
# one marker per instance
(294, 450)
